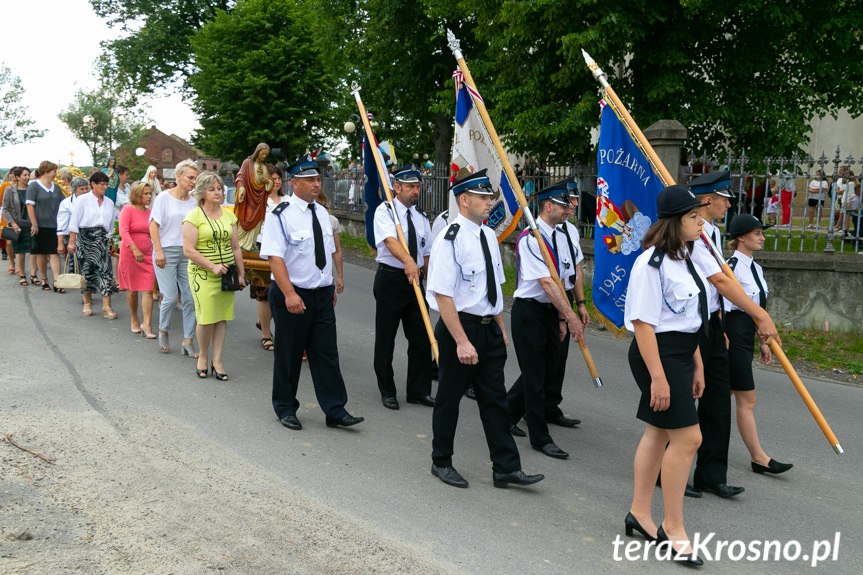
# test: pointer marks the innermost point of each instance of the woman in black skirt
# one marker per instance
(43, 201)
(665, 308)
(747, 237)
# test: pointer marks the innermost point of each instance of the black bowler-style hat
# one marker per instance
(743, 224)
(477, 183)
(676, 200)
(717, 182)
(304, 167)
(409, 174)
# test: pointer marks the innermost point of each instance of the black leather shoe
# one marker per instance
(422, 400)
(631, 523)
(563, 421)
(390, 402)
(346, 421)
(470, 393)
(722, 490)
(449, 476)
(771, 467)
(516, 431)
(515, 478)
(689, 559)
(692, 492)
(291, 422)
(552, 450)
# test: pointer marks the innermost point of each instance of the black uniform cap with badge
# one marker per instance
(558, 193)
(714, 182)
(304, 167)
(676, 200)
(477, 183)
(409, 174)
(743, 224)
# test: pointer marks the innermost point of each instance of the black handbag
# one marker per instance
(9, 234)
(231, 278)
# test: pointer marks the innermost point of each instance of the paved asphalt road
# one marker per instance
(378, 472)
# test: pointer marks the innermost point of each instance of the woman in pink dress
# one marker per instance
(135, 269)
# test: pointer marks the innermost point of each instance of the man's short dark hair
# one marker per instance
(98, 178)
(121, 169)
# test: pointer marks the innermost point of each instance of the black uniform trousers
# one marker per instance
(554, 387)
(397, 302)
(714, 407)
(315, 332)
(536, 338)
(488, 380)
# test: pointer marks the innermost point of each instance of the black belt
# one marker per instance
(312, 289)
(716, 315)
(539, 303)
(386, 268)
(470, 318)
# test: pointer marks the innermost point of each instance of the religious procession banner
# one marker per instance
(473, 150)
(626, 191)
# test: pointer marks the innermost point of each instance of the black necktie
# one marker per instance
(412, 237)
(574, 274)
(702, 297)
(490, 282)
(554, 247)
(762, 297)
(320, 258)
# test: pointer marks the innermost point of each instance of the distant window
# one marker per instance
(203, 166)
(167, 156)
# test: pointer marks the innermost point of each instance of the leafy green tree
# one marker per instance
(153, 47)
(102, 121)
(15, 126)
(260, 78)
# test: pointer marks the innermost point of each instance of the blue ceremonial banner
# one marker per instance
(373, 192)
(626, 191)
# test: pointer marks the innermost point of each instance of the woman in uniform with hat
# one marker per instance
(666, 313)
(747, 236)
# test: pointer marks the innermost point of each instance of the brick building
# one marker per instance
(165, 152)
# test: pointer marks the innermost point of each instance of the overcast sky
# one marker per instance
(51, 45)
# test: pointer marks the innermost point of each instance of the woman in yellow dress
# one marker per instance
(210, 243)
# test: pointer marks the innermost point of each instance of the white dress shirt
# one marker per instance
(531, 266)
(707, 264)
(64, 212)
(385, 228)
(289, 236)
(668, 302)
(87, 213)
(457, 270)
(743, 271)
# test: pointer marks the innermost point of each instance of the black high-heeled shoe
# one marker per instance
(219, 376)
(632, 523)
(202, 373)
(689, 559)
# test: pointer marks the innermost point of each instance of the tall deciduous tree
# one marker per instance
(102, 121)
(15, 126)
(260, 78)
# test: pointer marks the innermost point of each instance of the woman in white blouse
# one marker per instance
(166, 230)
(91, 222)
(747, 237)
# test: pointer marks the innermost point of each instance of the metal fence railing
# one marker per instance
(814, 206)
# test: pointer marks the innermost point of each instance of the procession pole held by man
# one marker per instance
(775, 345)
(385, 183)
(454, 45)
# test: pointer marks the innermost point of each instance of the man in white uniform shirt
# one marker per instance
(464, 286)
(298, 243)
(398, 270)
(714, 407)
(541, 314)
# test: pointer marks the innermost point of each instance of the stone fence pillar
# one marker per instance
(667, 137)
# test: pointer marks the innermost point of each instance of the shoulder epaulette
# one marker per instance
(732, 262)
(656, 259)
(280, 208)
(452, 232)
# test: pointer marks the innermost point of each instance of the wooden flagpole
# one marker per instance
(385, 182)
(660, 168)
(455, 46)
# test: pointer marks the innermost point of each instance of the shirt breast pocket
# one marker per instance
(329, 242)
(473, 270)
(301, 241)
(685, 293)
